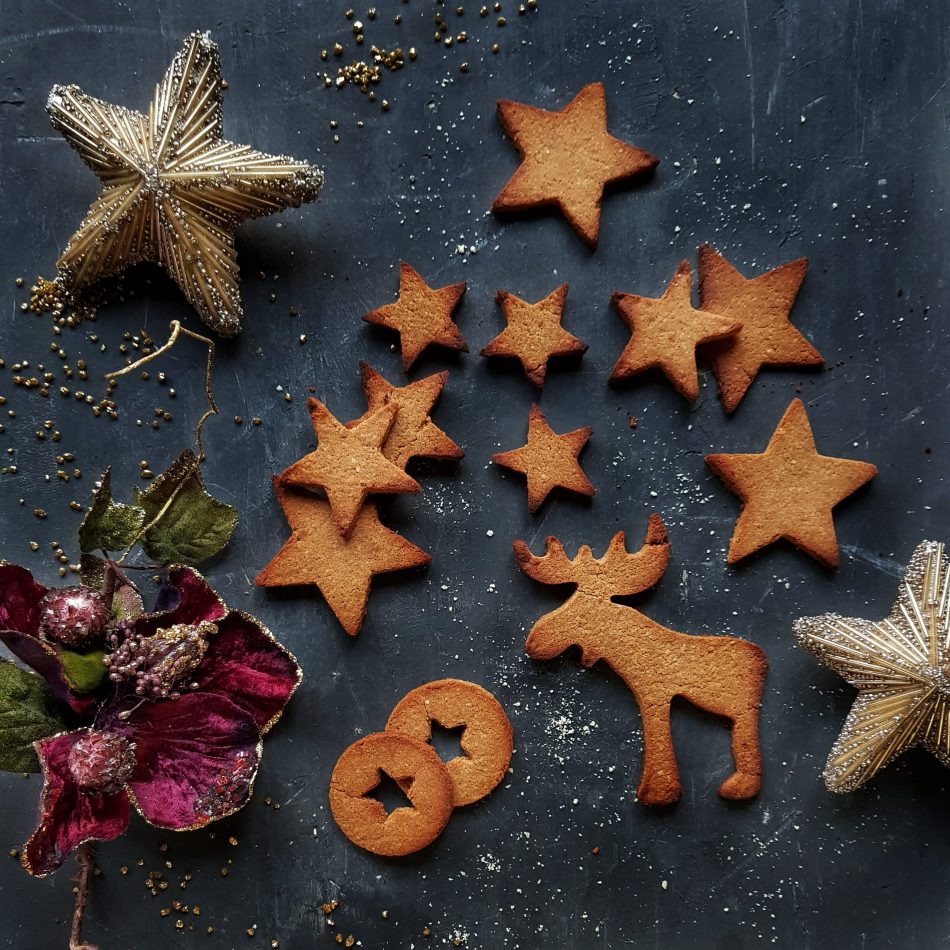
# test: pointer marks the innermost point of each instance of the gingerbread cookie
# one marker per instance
(342, 568)
(534, 333)
(349, 464)
(412, 764)
(548, 460)
(414, 434)
(723, 675)
(485, 741)
(761, 307)
(665, 331)
(567, 158)
(789, 490)
(421, 315)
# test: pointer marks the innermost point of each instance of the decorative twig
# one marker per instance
(176, 330)
(87, 867)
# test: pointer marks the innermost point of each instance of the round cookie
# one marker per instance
(486, 741)
(411, 763)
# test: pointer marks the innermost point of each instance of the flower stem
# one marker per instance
(87, 866)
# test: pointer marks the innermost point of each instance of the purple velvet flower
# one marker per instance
(176, 732)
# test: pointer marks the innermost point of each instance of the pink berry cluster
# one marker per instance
(102, 762)
(77, 617)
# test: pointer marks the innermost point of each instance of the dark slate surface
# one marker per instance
(785, 129)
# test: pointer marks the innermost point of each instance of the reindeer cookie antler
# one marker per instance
(723, 675)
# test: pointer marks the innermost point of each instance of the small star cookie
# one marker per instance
(567, 158)
(789, 491)
(761, 306)
(665, 332)
(534, 333)
(414, 434)
(421, 315)
(341, 567)
(548, 460)
(349, 464)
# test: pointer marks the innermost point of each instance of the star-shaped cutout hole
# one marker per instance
(349, 464)
(534, 334)
(173, 189)
(413, 434)
(567, 158)
(421, 315)
(789, 491)
(548, 460)
(901, 668)
(665, 331)
(761, 306)
(341, 567)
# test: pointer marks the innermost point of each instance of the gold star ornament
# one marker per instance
(173, 189)
(901, 668)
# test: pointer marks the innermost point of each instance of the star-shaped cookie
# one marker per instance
(900, 668)
(342, 568)
(665, 332)
(760, 306)
(173, 189)
(421, 315)
(789, 490)
(567, 158)
(548, 460)
(534, 333)
(349, 464)
(414, 434)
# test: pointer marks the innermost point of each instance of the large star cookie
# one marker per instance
(342, 568)
(349, 464)
(665, 331)
(761, 306)
(789, 491)
(567, 158)
(548, 460)
(173, 189)
(414, 434)
(534, 333)
(421, 315)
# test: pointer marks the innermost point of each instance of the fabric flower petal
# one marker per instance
(184, 597)
(248, 666)
(197, 759)
(69, 816)
(20, 597)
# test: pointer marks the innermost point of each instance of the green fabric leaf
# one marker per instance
(83, 671)
(27, 713)
(108, 525)
(195, 526)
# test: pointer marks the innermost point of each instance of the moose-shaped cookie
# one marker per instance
(723, 675)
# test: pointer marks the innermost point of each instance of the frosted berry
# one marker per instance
(102, 762)
(76, 617)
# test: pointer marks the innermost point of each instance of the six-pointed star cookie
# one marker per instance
(548, 460)
(789, 490)
(348, 464)
(534, 333)
(342, 568)
(414, 434)
(173, 189)
(567, 158)
(900, 667)
(665, 332)
(761, 306)
(421, 315)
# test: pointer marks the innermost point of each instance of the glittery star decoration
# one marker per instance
(901, 668)
(534, 333)
(548, 460)
(421, 315)
(173, 189)
(567, 159)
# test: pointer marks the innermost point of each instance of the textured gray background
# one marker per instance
(784, 129)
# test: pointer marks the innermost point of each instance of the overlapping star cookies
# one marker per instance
(901, 668)
(173, 189)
